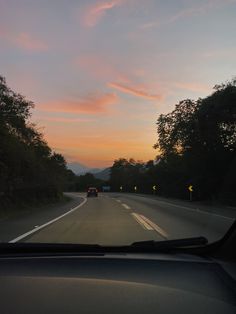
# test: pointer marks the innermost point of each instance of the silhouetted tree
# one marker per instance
(28, 167)
(196, 145)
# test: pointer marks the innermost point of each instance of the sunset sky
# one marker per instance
(100, 72)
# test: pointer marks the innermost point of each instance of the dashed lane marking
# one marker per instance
(125, 206)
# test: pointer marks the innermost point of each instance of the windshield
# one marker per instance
(117, 120)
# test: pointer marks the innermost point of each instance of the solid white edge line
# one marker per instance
(197, 210)
(141, 221)
(47, 223)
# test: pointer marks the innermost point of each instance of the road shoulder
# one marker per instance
(14, 226)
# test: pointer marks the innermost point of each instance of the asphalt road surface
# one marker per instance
(119, 219)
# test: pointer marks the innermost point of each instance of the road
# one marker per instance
(120, 219)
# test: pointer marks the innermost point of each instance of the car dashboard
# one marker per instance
(115, 283)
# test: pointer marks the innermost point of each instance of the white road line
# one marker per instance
(119, 201)
(149, 225)
(196, 210)
(141, 221)
(125, 206)
(47, 223)
(155, 227)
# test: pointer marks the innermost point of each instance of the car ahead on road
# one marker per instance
(92, 192)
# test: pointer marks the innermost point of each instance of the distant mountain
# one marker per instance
(79, 168)
(104, 174)
(95, 170)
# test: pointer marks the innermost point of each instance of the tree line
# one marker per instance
(29, 169)
(81, 183)
(196, 145)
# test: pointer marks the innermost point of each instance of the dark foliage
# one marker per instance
(81, 183)
(196, 145)
(29, 169)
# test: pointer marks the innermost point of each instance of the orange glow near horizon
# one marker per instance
(94, 103)
(100, 150)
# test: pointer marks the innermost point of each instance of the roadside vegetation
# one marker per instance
(196, 145)
(82, 182)
(30, 172)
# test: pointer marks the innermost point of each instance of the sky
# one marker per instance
(101, 72)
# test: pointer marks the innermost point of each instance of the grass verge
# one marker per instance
(21, 208)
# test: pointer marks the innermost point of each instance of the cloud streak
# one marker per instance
(24, 41)
(134, 91)
(64, 120)
(92, 104)
(94, 13)
(194, 87)
(188, 12)
(28, 42)
(96, 66)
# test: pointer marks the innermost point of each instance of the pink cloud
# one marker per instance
(64, 120)
(92, 104)
(227, 53)
(188, 12)
(195, 87)
(100, 68)
(24, 41)
(134, 91)
(96, 66)
(95, 12)
(28, 42)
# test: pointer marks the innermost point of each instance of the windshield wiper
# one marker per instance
(63, 248)
(171, 244)
(47, 248)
